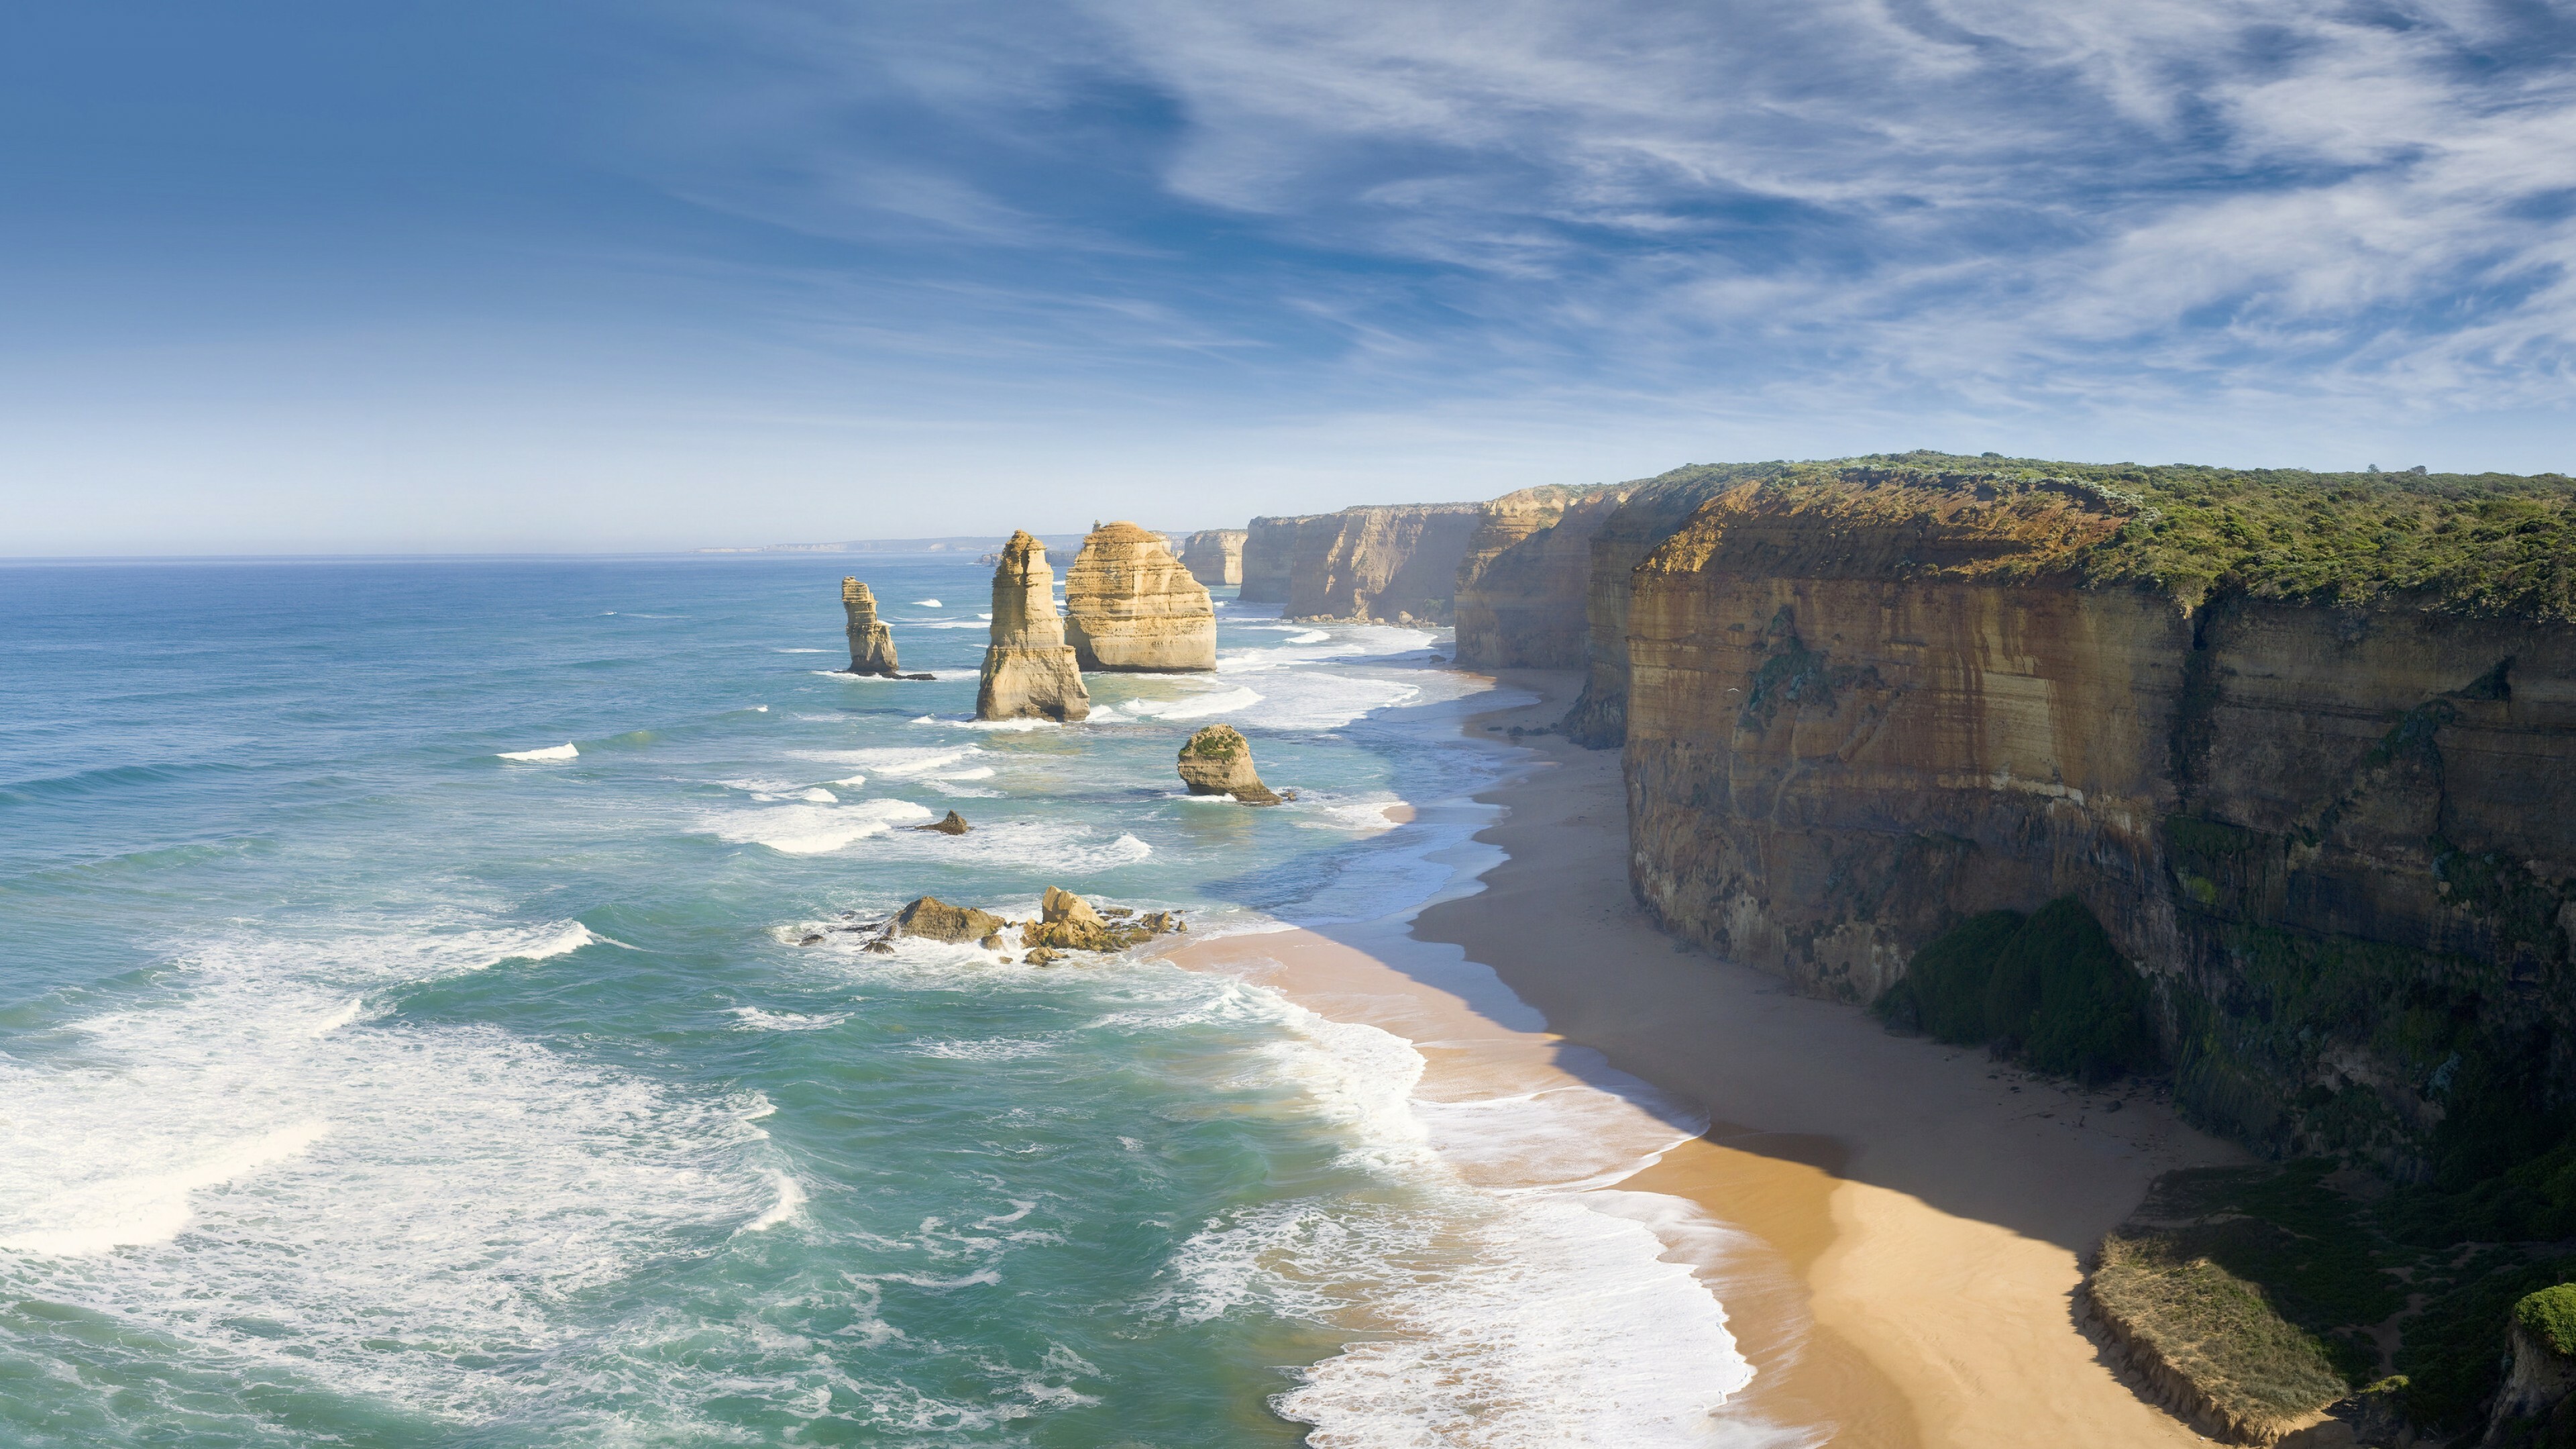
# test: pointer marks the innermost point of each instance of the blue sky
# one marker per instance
(330, 276)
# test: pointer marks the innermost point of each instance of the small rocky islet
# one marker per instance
(1065, 924)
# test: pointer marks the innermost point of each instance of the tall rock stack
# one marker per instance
(1029, 671)
(1214, 556)
(871, 642)
(1130, 605)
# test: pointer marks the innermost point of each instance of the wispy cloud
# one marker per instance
(1972, 198)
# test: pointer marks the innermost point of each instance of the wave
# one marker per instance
(1542, 1317)
(1030, 848)
(800, 651)
(928, 604)
(1195, 706)
(215, 1175)
(814, 829)
(896, 761)
(752, 1018)
(788, 1205)
(552, 752)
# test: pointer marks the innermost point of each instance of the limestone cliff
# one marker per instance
(1270, 549)
(1526, 575)
(2332, 819)
(1635, 527)
(1382, 564)
(1129, 605)
(871, 640)
(1214, 556)
(1029, 671)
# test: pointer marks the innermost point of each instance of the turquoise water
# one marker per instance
(366, 1085)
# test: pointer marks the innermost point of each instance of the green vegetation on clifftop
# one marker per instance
(2488, 543)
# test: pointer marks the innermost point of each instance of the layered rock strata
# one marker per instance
(1372, 564)
(2339, 841)
(1270, 548)
(1218, 761)
(1634, 528)
(1129, 605)
(1526, 575)
(871, 640)
(1214, 556)
(1029, 671)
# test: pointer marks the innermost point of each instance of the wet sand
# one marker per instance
(1908, 1216)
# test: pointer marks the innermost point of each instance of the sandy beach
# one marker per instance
(1894, 1226)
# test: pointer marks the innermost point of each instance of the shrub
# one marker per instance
(2049, 988)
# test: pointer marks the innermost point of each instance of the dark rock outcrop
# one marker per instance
(953, 824)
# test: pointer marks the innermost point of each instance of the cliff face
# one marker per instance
(1214, 556)
(871, 639)
(1029, 671)
(1130, 605)
(1634, 528)
(1270, 557)
(2339, 841)
(1366, 563)
(1527, 572)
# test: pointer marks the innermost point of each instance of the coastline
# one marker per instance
(1897, 1223)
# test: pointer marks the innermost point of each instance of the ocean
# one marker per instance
(408, 1036)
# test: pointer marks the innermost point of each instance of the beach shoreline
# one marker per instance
(1904, 1220)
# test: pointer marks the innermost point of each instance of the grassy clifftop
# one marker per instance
(2491, 543)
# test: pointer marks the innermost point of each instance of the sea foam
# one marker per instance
(551, 752)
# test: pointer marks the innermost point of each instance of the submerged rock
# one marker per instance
(1218, 761)
(879, 947)
(1129, 604)
(955, 824)
(936, 920)
(1029, 671)
(871, 640)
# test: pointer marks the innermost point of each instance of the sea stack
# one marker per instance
(1029, 672)
(1218, 761)
(871, 641)
(1129, 604)
(1214, 556)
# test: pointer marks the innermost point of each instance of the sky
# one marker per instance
(289, 276)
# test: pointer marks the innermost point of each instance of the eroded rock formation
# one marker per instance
(935, 920)
(1218, 761)
(1067, 922)
(1129, 605)
(1379, 564)
(1214, 556)
(1526, 574)
(871, 641)
(1858, 710)
(952, 824)
(1029, 671)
